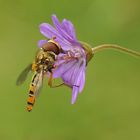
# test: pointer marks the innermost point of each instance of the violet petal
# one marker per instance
(69, 28)
(70, 75)
(77, 83)
(50, 32)
(75, 78)
(74, 94)
(41, 42)
(59, 28)
(63, 68)
(82, 82)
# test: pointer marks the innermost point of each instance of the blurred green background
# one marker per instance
(108, 108)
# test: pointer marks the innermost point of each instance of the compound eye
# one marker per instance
(51, 47)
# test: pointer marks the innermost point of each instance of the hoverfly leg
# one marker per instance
(50, 82)
(55, 86)
(50, 79)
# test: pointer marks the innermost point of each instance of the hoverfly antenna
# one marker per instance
(53, 38)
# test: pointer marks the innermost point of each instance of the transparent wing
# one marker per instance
(39, 83)
(22, 77)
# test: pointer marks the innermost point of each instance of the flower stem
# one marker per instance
(117, 47)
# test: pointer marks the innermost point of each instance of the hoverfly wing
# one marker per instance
(39, 83)
(22, 77)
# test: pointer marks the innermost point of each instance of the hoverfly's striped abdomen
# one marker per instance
(31, 98)
(34, 89)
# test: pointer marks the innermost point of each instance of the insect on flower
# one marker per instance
(71, 65)
(63, 56)
(43, 63)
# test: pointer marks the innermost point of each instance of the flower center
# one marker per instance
(76, 53)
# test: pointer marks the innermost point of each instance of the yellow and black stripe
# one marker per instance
(31, 98)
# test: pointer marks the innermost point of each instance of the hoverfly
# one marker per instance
(42, 64)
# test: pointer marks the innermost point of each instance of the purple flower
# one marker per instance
(71, 65)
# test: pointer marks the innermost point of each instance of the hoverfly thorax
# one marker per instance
(44, 61)
(46, 56)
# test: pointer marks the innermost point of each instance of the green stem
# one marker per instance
(117, 47)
